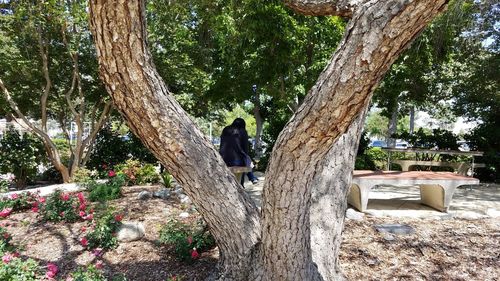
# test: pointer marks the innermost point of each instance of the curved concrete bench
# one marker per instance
(436, 188)
(238, 171)
(459, 167)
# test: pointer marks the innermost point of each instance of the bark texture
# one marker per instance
(324, 126)
(328, 200)
(152, 113)
(377, 33)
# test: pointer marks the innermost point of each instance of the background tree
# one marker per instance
(321, 134)
(49, 73)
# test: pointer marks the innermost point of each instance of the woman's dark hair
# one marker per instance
(239, 123)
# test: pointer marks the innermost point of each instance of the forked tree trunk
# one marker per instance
(319, 137)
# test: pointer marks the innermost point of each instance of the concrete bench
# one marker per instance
(460, 168)
(239, 171)
(436, 188)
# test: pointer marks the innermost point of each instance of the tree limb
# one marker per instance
(44, 53)
(341, 8)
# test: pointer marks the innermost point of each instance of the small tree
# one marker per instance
(20, 155)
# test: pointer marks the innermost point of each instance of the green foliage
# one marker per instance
(186, 238)
(486, 138)
(103, 232)
(4, 185)
(135, 172)
(90, 273)
(167, 179)
(112, 148)
(19, 202)
(18, 269)
(20, 155)
(104, 191)
(82, 175)
(61, 206)
(438, 139)
(5, 245)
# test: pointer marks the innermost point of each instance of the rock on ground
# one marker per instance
(130, 231)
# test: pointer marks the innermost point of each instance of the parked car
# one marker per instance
(401, 145)
(378, 143)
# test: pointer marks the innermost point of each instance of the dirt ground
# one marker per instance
(449, 249)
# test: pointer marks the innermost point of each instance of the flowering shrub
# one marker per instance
(137, 173)
(5, 245)
(112, 189)
(91, 273)
(17, 202)
(188, 241)
(15, 268)
(102, 232)
(63, 207)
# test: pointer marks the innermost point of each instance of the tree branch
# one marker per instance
(44, 53)
(89, 141)
(341, 8)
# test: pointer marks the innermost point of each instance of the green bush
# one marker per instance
(188, 241)
(167, 179)
(19, 201)
(137, 173)
(18, 269)
(20, 155)
(82, 175)
(91, 273)
(61, 206)
(5, 239)
(4, 185)
(104, 191)
(103, 233)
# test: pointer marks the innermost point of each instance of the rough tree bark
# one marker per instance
(277, 245)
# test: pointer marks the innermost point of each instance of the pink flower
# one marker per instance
(99, 264)
(83, 229)
(84, 242)
(6, 235)
(52, 267)
(118, 218)
(50, 274)
(7, 258)
(61, 214)
(81, 198)
(65, 197)
(111, 173)
(82, 207)
(82, 214)
(190, 240)
(35, 209)
(89, 217)
(5, 212)
(194, 254)
(16, 254)
(41, 200)
(14, 196)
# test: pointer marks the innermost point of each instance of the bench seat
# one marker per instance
(436, 188)
(459, 167)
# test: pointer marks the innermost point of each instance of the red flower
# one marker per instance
(7, 258)
(5, 212)
(194, 254)
(111, 173)
(81, 198)
(84, 242)
(82, 214)
(6, 235)
(41, 199)
(35, 209)
(65, 197)
(118, 218)
(50, 274)
(82, 207)
(52, 267)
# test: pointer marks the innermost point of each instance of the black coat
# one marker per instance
(234, 146)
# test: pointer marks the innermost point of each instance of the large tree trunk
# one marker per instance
(377, 33)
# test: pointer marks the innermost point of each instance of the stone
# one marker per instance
(354, 215)
(395, 228)
(183, 215)
(144, 195)
(130, 231)
(388, 237)
(163, 193)
(186, 200)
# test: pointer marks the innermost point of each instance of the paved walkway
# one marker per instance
(471, 202)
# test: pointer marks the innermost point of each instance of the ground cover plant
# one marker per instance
(108, 190)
